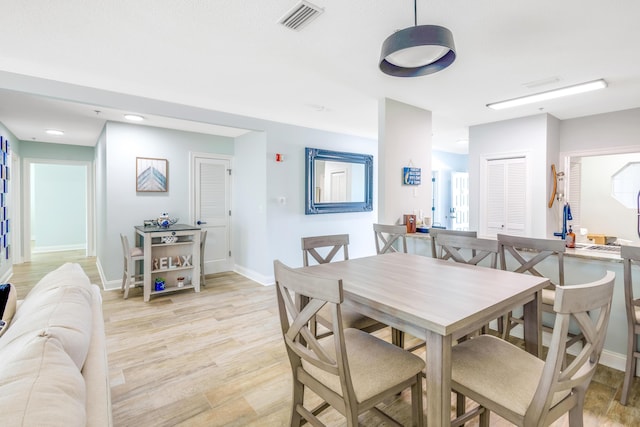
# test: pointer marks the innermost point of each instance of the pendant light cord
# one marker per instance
(415, 13)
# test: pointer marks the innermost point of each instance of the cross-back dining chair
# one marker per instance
(435, 232)
(131, 255)
(387, 235)
(527, 254)
(351, 370)
(323, 249)
(467, 250)
(630, 257)
(528, 391)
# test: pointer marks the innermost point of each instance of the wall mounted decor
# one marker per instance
(151, 174)
(4, 191)
(337, 182)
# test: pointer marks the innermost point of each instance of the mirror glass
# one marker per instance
(338, 182)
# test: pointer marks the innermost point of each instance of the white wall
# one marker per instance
(122, 206)
(527, 135)
(404, 140)
(59, 207)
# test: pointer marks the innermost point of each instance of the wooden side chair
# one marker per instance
(528, 391)
(435, 232)
(529, 253)
(467, 250)
(630, 257)
(351, 371)
(130, 256)
(323, 249)
(203, 241)
(388, 235)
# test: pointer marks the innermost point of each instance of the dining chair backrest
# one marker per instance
(467, 250)
(387, 235)
(529, 252)
(630, 257)
(335, 243)
(435, 232)
(589, 306)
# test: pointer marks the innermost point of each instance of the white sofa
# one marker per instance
(53, 362)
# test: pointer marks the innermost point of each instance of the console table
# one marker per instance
(169, 253)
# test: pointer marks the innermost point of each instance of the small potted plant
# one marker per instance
(180, 281)
(159, 284)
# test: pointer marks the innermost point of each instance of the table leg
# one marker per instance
(438, 379)
(532, 325)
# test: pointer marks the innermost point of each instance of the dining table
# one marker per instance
(440, 301)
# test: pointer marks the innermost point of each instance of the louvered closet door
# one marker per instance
(506, 201)
(212, 210)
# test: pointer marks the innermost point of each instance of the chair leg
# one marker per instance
(417, 415)
(461, 404)
(124, 280)
(576, 413)
(126, 286)
(630, 370)
(485, 418)
(397, 337)
(298, 400)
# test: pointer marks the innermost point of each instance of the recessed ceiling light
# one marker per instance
(551, 94)
(54, 132)
(134, 117)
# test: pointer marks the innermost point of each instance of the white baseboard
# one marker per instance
(256, 277)
(59, 248)
(107, 285)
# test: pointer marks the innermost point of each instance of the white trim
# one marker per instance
(256, 277)
(26, 203)
(58, 248)
(15, 210)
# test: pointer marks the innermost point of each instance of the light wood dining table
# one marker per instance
(441, 301)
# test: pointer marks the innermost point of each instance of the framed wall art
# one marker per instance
(151, 174)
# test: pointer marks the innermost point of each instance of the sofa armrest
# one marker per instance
(96, 369)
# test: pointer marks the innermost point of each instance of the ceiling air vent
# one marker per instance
(300, 15)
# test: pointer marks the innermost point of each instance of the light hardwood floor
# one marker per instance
(216, 358)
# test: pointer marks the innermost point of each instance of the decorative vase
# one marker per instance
(159, 284)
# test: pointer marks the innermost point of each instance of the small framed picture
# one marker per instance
(151, 174)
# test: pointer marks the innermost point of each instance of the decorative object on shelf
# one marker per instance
(180, 281)
(165, 221)
(151, 175)
(169, 239)
(159, 284)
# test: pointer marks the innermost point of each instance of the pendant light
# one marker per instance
(418, 50)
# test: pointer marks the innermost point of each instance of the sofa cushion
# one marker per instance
(8, 301)
(60, 307)
(40, 385)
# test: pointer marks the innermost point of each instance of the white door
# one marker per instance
(212, 210)
(505, 203)
(460, 200)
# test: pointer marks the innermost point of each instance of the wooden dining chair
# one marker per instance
(435, 232)
(131, 255)
(322, 250)
(351, 370)
(386, 236)
(528, 391)
(630, 258)
(467, 250)
(528, 254)
(203, 241)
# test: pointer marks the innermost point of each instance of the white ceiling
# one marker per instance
(232, 56)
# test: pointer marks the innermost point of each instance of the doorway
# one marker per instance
(57, 207)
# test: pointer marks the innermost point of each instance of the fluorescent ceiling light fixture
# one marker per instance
(54, 132)
(551, 94)
(134, 117)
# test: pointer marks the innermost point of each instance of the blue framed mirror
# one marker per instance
(337, 182)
